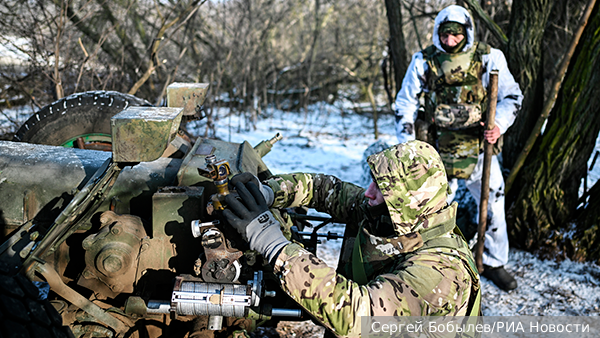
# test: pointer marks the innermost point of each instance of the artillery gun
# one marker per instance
(130, 241)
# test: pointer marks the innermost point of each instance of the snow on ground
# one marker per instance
(324, 140)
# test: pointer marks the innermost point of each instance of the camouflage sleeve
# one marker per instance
(336, 302)
(325, 193)
(424, 285)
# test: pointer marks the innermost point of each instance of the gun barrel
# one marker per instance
(264, 147)
(297, 216)
(329, 235)
(276, 138)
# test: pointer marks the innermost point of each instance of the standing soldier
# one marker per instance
(409, 258)
(453, 75)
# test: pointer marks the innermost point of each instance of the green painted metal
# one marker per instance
(172, 245)
(241, 157)
(190, 96)
(111, 254)
(121, 254)
(47, 176)
(93, 137)
(141, 134)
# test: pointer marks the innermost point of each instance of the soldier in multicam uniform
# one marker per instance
(452, 75)
(409, 258)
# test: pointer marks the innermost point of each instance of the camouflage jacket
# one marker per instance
(407, 277)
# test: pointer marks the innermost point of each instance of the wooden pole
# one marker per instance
(485, 178)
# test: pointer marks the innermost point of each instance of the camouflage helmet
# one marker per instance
(412, 179)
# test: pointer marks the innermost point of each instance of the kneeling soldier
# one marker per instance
(409, 258)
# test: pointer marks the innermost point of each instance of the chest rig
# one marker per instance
(455, 104)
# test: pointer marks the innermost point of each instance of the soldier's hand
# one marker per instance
(246, 177)
(250, 216)
(491, 135)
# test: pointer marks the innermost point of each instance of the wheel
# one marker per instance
(80, 120)
(23, 314)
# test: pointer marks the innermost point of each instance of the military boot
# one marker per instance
(500, 277)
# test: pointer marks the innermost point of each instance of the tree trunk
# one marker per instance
(524, 55)
(546, 203)
(397, 47)
(371, 97)
(584, 244)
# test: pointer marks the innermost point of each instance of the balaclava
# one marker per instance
(454, 28)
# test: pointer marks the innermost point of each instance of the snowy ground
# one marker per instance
(325, 141)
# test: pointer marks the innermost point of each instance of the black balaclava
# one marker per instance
(454, 28)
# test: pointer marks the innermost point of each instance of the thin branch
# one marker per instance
(59, 30)
(141, 81)
(170, 76)
(414, 22)
(156, 44)
(489, 23)
(22, 89)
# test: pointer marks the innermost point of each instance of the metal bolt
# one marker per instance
(210, 159)
(86, 244)
(112, 263)
(34, 235)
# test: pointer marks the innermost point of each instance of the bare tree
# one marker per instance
(396, 45)
(254, 53)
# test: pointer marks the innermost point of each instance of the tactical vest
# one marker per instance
(455, 104)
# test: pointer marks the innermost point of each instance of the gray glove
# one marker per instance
(251, 217)
(246, 177)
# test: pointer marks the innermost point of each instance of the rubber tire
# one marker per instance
(75, 115)
(23, 314)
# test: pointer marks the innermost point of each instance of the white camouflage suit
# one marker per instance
(509, 102)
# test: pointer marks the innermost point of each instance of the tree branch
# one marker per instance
(489, 23)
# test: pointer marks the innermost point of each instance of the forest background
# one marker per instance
(289, 54)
